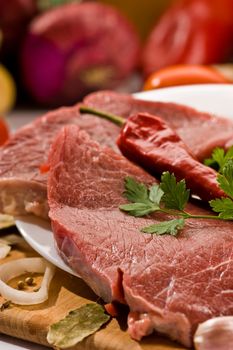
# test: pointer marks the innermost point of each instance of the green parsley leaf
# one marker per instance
(219, 158)
(211, 163)
(229, 155)
(155, 194)
(223, 206)
(135, 192)
(165, 227)
(76, 326)
(144, 201)
(175, 195)
(138, 209)
(226, 179)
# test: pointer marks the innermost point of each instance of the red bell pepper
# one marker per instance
(191, 31)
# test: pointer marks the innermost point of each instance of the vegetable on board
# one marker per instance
(77, 325)
(15, 268)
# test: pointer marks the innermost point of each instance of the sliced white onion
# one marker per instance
(4, 250)
(19, 267)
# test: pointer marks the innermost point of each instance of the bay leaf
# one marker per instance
(77, 325)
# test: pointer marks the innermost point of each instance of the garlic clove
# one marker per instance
(215, 334)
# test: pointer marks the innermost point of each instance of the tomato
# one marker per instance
(183, 75)
(4, 133)
(191, 31)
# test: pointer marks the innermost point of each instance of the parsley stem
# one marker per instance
(190, 216)
(186, 215)
(211, 217)
(172, 212)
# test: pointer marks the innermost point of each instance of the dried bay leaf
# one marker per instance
(77, 325)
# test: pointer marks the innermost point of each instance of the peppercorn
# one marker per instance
(21, 285)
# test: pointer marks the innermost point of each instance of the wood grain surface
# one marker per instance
(67, 293)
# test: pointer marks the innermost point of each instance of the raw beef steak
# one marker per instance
(23, 188)
(170, 284)
(201, 132)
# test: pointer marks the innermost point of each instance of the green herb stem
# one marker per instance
(211, 217)
(108, 116)
(186, 215)
(172, 212)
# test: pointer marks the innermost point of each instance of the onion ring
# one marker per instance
(18, 267)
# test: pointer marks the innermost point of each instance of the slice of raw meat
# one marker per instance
(23, 188)
(201, 132)
(170, 284)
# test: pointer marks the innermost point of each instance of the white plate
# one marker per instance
(217, 99)
(38, 234)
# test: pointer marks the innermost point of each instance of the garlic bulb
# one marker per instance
(215, 334)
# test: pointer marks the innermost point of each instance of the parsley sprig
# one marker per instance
(224, 206)
(171, 197)
(219, 158)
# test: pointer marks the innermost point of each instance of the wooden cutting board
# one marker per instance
(67, 293)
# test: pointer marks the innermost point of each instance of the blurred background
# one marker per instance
(53, 52)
